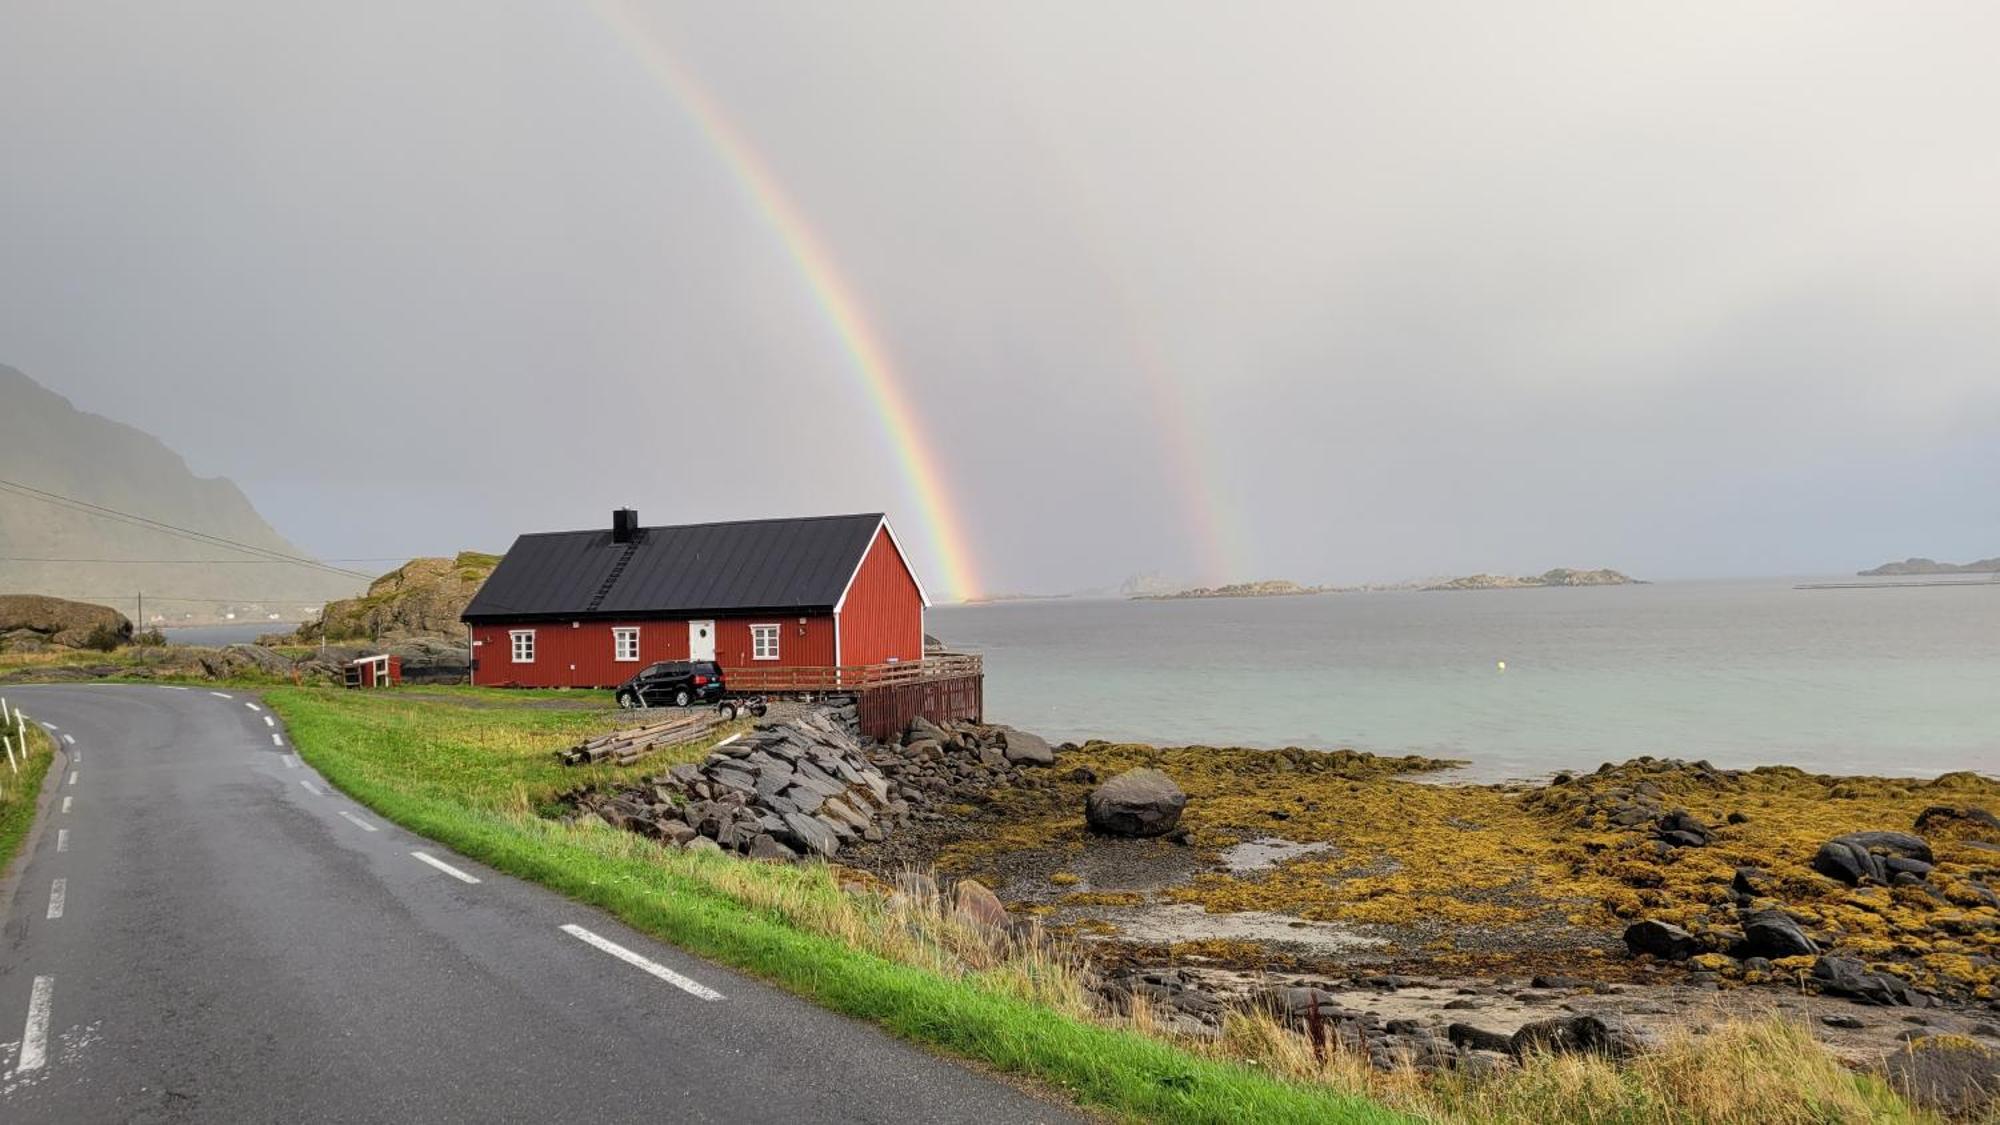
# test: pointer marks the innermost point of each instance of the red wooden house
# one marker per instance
(590, 608)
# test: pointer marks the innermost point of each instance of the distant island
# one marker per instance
(1270, 588)
(1561, 576)
(1932, 566)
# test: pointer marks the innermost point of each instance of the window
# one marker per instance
(625, 644)
(524, 646)
(763, 642)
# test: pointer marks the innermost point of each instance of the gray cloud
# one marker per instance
(1437, 288)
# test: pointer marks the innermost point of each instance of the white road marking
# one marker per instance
(70, 738)
(277, 739)
(62, 839)
(291, 761)
(35, 1036)
(76, 757)
(311, 788)
(365, 826)
(58, 892)
(692, 988)
(253, 706)
(72, 777)
(447, 868)
(221, 695)
(66, 801)
(50, 726)
(269, 721)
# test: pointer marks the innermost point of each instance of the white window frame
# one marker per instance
(515, 647)
(621, 635)
(757, 635)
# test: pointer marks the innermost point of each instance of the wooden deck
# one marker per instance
(886, 696)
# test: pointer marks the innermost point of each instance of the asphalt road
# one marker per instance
(203, 930)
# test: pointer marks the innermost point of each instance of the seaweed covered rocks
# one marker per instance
(936, 766)
(1802, 878)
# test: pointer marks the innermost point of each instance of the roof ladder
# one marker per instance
(611, 579)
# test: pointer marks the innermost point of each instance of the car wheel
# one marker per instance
(681, 698)
(627, 700)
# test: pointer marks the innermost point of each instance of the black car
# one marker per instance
(673, 683)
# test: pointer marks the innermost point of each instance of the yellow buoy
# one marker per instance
(1500, 664)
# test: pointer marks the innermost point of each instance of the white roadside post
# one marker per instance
(10, 752)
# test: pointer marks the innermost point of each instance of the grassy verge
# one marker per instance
(475, 777)
(20, 786)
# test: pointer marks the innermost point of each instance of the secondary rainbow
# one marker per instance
(837, 303)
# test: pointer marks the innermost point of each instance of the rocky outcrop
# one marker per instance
(29, 621)
(421, 598)
(1878, 857)
(938, 765)
(1141, 802)
(1845, 976)
(1662, 940)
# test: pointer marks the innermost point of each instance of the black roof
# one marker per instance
(694, 570)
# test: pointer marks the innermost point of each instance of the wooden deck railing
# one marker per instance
(853, 677)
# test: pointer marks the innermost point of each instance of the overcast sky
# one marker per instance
(1327, 291)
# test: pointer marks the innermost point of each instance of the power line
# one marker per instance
(30, 492)
(198, 562)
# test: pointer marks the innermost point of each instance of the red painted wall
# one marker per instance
(883, 617)
(589, 647)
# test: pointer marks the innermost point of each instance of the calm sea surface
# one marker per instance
(1883, 681)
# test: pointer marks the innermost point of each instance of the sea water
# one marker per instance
(1901, 681)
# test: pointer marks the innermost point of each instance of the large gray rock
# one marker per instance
(1026, 749)
(1844, 976)
(1141, 802)
(1773, 934)
(810, 834)
(1573, 1035)
(1873, 857)
(1663, 940)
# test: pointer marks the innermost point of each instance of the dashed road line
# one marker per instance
(311, 788)
(269, 721)
(291, 761)
(72, 777)
(58, 894)
(35, 1036)
(221, 695)
(364, 825)
(692, 987)
(50, 727)
(70, 738)
(253, 706)
(277, 739)
(447, 868)
(62, 839)
(66, 801)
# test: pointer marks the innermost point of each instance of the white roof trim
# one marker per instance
(880, 526)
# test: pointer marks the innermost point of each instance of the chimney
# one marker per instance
(624, 525)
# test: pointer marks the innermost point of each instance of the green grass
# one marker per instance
(473, 779)
(18, 791)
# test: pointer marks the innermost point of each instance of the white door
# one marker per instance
(701, 640)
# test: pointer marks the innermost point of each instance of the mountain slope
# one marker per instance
(48, 444)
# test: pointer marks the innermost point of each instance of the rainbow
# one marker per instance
(836, 299)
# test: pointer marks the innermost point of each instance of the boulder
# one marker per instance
(1573, 1035)
(1662, 940)
(1467, 1037)
(1959, 821)
(765, 846)
(1773, 934)
(810, 835)
(971, 901)
(1844, 976)
(63, 623)
(1951, 1074)
(1139, 802)
(1680, 829)
(1026, 749)
(1866, 857)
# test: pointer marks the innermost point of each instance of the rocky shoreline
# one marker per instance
(1435, 926)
